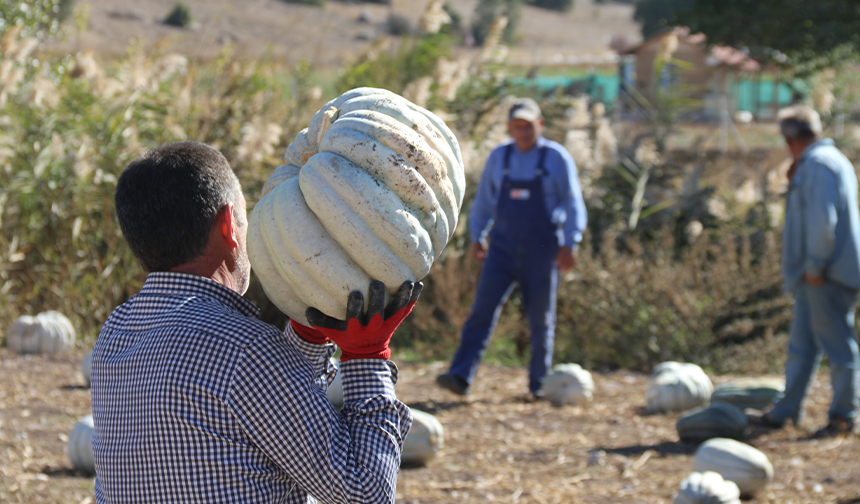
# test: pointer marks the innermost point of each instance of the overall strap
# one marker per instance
(540, 170)
(506, 163)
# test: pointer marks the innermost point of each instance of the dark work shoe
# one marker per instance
(532, 397)
(766, 421)
(837, 428)
(453, 383)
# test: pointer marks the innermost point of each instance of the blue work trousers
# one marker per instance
(533, 266)
(823, 323)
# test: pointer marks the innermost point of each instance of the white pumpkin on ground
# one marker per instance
(334, 392)
(719, 420)
(48, 332)
(707, 488)
(80, 446)
(756, 393)
(87, 367)
(748, 467)
(425, 438)
(372, 189)
(568, 384)
(677, 386)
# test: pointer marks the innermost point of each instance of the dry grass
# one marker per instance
(497, 448)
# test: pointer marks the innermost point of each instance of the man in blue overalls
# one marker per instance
(530, 202)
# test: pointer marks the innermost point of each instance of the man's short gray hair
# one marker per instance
(799, 122)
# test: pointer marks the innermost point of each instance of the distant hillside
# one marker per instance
(331, 35)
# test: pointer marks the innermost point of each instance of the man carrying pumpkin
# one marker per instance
(821, 266)
(195, 400)
(529, 207)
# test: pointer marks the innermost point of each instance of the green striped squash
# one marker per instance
(717, 420)
(757, 393)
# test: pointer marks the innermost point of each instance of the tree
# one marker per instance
(488, 10)
(657, 15)
(805, 34)
(559, 5)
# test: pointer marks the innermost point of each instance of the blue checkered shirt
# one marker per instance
(196, 400)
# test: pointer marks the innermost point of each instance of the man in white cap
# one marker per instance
(529, 208)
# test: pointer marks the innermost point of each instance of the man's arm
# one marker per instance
(571, 197)
(484, 204)
(351, 456)
(821, 192)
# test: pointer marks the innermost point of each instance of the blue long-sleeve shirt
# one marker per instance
(562, 194)
(821, 235)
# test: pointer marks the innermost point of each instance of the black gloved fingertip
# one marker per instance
(417, 288)
(354, 305)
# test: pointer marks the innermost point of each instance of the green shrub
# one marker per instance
(64, 9)
(36, 19)
(398, 25)
(558, 5)
(180, 16)
(393, 70)
(456, 26)
(488, 10)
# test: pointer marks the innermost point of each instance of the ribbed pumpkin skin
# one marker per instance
(748, 467)
(48, 332)
(757, 393)
(568, 384)
(87, 367)
(676, 386)
(80, 446)
(372, 189)
(719, 420)
(707, 488)
(425, 438)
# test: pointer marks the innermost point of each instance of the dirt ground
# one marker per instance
(332, 35)
(497, 448)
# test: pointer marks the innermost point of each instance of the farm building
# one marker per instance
(679, 64)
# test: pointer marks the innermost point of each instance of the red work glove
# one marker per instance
(366, 336)
(309, 334)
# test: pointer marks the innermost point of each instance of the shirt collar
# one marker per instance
(540, 143)
(187, 285)
(815, 145)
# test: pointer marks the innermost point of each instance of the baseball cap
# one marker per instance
(525, 108)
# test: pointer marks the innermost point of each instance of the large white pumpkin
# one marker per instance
(568, 384)
(707, 488)
(80, 446)
(677, 386)
(372, 189)
(748, 467)
(87, 367)
(48, 332)
(425, 438)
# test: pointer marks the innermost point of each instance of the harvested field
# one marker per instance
(497, 448)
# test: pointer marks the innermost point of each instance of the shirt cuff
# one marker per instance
(366, 378)
(317, 354)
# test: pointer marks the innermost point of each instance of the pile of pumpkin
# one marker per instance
(725, 468)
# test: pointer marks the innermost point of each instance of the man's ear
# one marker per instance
(227, 226)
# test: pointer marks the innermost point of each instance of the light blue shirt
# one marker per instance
(821, 235)
(562, 195)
